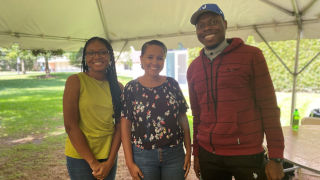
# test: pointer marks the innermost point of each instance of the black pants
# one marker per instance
(215, 167)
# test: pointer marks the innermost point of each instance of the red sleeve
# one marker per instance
(267, 103)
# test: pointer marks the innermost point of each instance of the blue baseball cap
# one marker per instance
(206, 8)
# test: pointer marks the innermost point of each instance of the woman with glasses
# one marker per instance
(154, 124)
(91, 110)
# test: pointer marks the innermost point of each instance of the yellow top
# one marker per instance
(96, 121)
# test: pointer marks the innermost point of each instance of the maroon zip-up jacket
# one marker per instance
(233, 103)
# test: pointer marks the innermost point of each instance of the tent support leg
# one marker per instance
(314, 58)
(272, 50)
(124, 45)
(295, 75)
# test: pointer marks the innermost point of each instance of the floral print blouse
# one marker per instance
(153, 113)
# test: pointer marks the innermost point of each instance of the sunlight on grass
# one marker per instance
(31, 123)
(31, 119)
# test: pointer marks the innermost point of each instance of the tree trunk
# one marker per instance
(23, 69)
(18, 62)
(47, 66)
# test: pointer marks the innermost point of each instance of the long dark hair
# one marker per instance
(111, 75)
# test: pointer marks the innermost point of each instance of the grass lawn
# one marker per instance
(31, 124)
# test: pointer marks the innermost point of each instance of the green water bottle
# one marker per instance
(296, 119)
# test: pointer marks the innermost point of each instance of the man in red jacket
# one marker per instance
(233, 105)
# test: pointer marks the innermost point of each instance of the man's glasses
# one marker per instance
(99, 53)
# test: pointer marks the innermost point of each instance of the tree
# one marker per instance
(47, 54)
(14, 56)
(193, 53)
(282, 79)
(76, 57)
(308, 80)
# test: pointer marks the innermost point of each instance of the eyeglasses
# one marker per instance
(99, 53)
(210, 23)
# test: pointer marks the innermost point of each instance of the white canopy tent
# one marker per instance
(67, 24)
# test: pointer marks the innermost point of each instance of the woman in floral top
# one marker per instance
(154, 124)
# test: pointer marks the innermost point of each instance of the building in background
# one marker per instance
(175, 66)
(57, 64)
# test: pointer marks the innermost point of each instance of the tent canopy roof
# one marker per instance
(61, 24)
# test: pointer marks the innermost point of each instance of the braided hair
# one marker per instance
(111, 75)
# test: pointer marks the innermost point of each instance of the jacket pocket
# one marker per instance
(226, 124)
(249, 121)
(225, 131)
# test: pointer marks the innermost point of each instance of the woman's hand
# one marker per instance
(103, 169)
(135, 172)
(183, 121)
(187, 163)
(196, 166)
(95, 166)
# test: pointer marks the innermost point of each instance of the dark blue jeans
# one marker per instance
(160, 164)
(79, 169)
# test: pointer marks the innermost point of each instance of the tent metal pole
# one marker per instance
(314, 58)
(296, 62)
(307, 7)
(124, 45)
(272, 50)
(278, 7)
(103, 20)
(295, 75)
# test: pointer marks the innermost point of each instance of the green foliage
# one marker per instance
(125, 59)
(76, 58)
(193, 53)
(9, 58)
(42, 52)
(307, 81)
(47, 54)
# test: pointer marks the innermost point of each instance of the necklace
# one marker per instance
(101, 83)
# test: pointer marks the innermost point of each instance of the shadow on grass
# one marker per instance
(30, 111)
(34, 161)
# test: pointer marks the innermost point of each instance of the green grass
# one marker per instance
(31, 124)
(30, 105)
(31, 121)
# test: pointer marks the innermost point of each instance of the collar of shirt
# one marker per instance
(213, 53)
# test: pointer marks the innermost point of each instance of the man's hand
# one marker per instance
(274, 170)
(196, 166)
